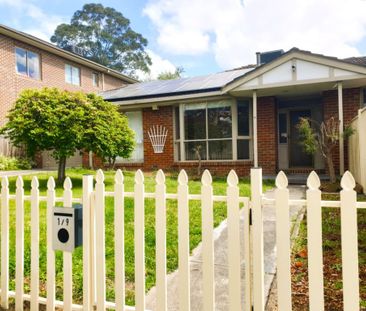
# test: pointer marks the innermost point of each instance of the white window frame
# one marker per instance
(96, 83)
(71, 74)
(131, 160)
(26, 63)
(181, 141)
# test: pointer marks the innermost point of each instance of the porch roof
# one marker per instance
(298, 71)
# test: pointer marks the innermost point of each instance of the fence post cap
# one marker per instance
(281, 180)
(206, 178)
(19, 182)
(139, 177)
(51, 183)
(232, 179)
(118, 178)
(67, 183)
(313, 181)
(34, 183)
(182, 178)
(4, 182)
(100, 176)
(256, 168)
(347, 181)
(160, 177)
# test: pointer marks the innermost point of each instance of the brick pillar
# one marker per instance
(267, 134)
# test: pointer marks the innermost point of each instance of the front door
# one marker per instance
(297, 155)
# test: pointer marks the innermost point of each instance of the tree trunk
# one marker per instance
(61, 170)
(114, 163)
(332, 175)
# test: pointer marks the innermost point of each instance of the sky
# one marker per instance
(208, 36)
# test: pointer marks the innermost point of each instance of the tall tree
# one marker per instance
(104, 35)
(64, 122)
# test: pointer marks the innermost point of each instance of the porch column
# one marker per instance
(341, 140)
(255, 136)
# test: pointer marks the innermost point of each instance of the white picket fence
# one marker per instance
(94, 256)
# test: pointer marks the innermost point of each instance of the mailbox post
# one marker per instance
(67, 228)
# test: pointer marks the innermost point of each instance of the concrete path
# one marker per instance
(221, 261)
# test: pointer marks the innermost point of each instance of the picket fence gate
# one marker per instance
(94, 273)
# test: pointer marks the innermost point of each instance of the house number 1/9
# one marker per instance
(62, 221)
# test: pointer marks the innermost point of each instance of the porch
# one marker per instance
(288, 89)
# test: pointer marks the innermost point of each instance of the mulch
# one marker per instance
(333, 293)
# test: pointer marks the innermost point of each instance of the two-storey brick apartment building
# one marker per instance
(29, 62)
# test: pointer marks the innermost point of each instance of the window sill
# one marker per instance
(215, 162)
(76, 85)
(129, 164)
(25, 77)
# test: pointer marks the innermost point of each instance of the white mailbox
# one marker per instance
(67, 228)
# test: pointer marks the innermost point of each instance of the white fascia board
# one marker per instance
(334, 63)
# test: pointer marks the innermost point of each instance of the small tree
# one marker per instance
(197, 152)
(322, 136)
(108, 135)
(59, 121)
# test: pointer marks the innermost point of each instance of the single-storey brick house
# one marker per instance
(243, 117)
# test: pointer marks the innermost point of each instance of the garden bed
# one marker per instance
(332, 261)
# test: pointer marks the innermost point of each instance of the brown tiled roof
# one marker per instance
(356, 60)
(243, 67)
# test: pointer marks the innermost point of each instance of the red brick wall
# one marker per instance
(222, 168)
(163, 116)
(351, 104)
(267, 134)
(97, 162)
(165, 160)
(52, 75)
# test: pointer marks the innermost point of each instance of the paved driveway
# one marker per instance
(221, 260)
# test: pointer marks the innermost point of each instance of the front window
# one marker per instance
(27, 63)
(218, 130)
(72, 74)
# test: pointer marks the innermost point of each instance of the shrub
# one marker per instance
(12, 163)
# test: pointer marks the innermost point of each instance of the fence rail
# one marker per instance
(94, 254)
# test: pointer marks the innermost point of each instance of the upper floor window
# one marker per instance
(27, 63)
(72, 74)
(95, 77)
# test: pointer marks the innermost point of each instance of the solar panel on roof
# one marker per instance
(173, 86)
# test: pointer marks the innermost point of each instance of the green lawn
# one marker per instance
(219, 185)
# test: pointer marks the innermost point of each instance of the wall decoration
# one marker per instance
(157, 135)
